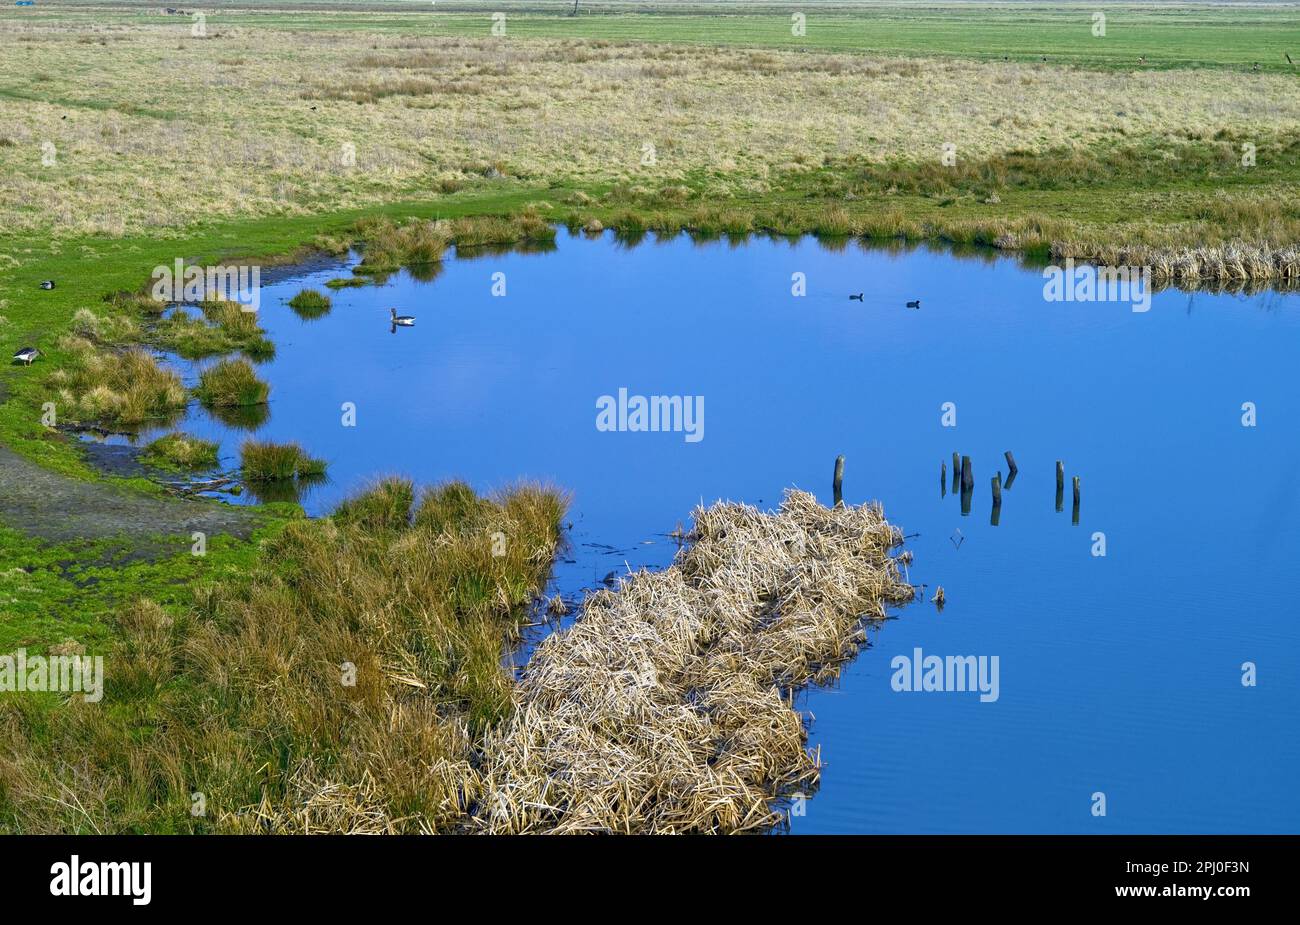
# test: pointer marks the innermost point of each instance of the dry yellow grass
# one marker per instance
(164, 130)
(665, 708)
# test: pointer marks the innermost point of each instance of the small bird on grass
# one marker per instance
(47, 284)
(858, 297)
(26, 355)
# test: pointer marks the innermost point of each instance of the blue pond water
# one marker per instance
(1118, 674)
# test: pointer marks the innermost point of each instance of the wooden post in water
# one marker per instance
(943, 480)
(967, 481)
(1012, 469)
(956, 472)
(838, 483)
(1060, 486)
(997, 500)
(1075, 518)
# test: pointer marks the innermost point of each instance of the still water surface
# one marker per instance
(1118, 674)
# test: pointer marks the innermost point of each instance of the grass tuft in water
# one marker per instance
(224, 328)
(310, 304)
(263, 461)
(181, 451)
(231, 384)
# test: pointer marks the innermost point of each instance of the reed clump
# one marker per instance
(666, 707)
(181, 451)
(231, 384)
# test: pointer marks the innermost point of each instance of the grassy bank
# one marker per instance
(335, 684)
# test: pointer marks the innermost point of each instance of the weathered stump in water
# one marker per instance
(1075, 518)
(943, 480)
(838, 482)
(956, 472)
(1060, 486)
(997, 500)
(1012, 469)
(967, 477)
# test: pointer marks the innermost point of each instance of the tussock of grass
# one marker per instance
(309, 304)
(109, 330)
(388, 246)
(231, 384)
(666, 706)
(420, 246)
(479, 231)
(127, 387)
(263, 461)
(338, 687)
(181, 451)
(346, 282)
(383, 508)
(225, 328)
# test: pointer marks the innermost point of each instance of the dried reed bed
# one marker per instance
(1230, 263)
(665, 708)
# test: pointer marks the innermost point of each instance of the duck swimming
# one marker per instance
(916, 304)
(405, 321)
(858, 297)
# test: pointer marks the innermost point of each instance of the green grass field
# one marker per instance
(1166, 35)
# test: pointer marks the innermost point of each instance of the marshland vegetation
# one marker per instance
(337, 687)
(353, 681)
